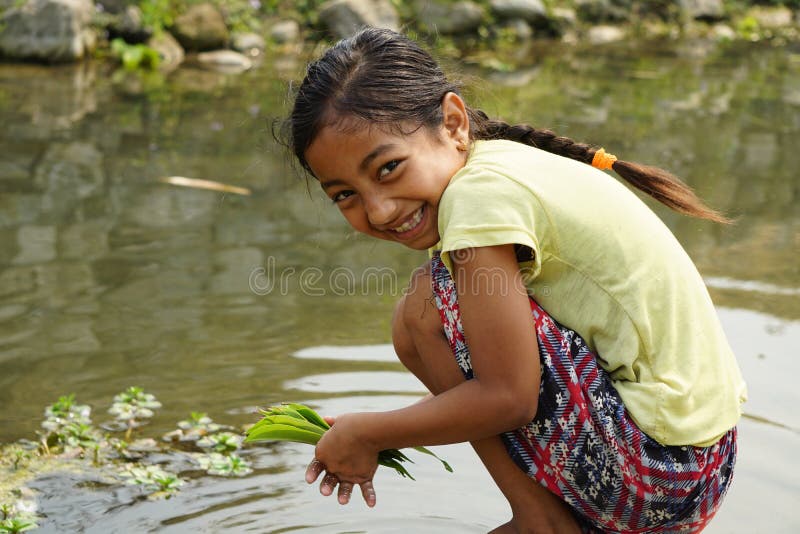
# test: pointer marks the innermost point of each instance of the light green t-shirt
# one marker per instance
(606, 266)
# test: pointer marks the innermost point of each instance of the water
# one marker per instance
(110, 278)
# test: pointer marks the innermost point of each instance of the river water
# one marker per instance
(219, 302)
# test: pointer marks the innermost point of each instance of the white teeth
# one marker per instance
(410, 225)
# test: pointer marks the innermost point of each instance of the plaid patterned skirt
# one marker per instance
(583, 446)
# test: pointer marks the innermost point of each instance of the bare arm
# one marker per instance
(502, 396)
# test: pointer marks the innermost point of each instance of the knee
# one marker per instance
(417, 309)
(415, 316)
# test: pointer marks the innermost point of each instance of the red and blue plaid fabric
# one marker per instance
(583, 446)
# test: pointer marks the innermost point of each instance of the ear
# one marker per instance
(455, 120)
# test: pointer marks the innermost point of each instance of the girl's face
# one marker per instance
(388, 185)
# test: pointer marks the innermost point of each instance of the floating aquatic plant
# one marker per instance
(67, 425)
(224, 465)
(301, 424)
(153, 479)
(132, 408)
(195, 427)
(14, 519)
(17, 524)
(222, 442)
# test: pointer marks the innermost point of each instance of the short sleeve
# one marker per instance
(483, 208)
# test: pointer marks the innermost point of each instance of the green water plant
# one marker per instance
(132, 408)
(154, 480)
(14, 525)
(222, 442)
(13, 520)
(67, 425)
(299, 423)
(224, 465)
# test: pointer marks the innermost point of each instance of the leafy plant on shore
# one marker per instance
(135, 56)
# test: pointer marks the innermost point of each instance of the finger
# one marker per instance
(314, 469)
(330, 420)
(368, 492)
(345, 490)
(328, 484)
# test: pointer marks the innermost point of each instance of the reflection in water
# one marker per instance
(111, 278)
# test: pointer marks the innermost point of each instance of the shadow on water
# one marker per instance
(110, 278)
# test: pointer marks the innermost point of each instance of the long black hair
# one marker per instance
(382, 77)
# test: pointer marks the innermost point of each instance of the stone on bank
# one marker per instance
(344, 17)
(47, 30)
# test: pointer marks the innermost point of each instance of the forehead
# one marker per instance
(339, 149)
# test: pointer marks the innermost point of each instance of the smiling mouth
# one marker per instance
(411, 224)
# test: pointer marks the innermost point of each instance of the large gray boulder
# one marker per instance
(707, 10)
(532, 11)
(345, 17)
(202, 27)
(595, 11)
(47, 30)
(449, 18)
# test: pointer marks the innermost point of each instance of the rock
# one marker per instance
(723, 32)
(225, 61)
(112, 6)
(345, 17)
(706, 10)
(564, 17)
(518, 29)
(603, 10)
(169, 49)
(128, 25)
(605, 34)
(771, 18)
(202, 27)
(285, 31)
(447, 18)
(532, 11)
(47, 30)
(250, 44)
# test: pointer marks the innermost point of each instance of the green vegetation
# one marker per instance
(134, 56)
(68, 440)
(301, 424)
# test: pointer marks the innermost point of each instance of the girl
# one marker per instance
(559, 325)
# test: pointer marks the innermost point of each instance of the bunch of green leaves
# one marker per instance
(135, 56)
(301, 424)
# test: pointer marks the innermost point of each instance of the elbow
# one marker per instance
(520, 408)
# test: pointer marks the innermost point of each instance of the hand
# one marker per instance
(347, 460)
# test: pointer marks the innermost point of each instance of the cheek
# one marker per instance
(357, 219)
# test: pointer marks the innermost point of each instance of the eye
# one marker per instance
(385, 170)
(341, 195)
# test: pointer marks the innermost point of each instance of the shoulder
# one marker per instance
(494, 169)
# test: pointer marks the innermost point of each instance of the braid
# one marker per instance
(658, 183)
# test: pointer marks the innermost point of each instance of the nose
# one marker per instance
(381, 209)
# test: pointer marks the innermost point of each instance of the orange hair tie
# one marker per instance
(602, 160)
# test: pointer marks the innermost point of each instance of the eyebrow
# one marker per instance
(380, 149)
